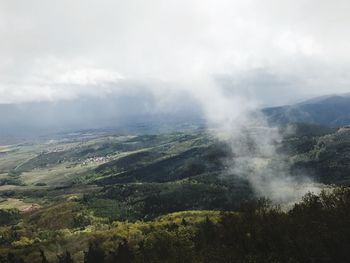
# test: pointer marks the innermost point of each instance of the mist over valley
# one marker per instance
(174, 131)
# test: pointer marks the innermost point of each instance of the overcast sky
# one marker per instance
(272, 51)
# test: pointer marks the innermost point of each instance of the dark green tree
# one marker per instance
(12, 258)
(43, 257)
(65, 258)
(94, 254)
(124, 253)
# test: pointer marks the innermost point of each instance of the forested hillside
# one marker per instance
(314, 230)
(333, 111)
(170, 197)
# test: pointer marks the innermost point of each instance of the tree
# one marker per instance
(12, 258)
(94, 254)
(124, 253)
(65, 258)
(43, 257)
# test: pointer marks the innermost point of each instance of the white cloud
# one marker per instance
(62, 49)
(89, 76)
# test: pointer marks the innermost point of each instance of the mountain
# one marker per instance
(332, 110)
(130, 114)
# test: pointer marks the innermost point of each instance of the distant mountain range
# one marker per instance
(129, 114)
(332, 110)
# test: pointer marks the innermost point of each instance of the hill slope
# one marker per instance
(331, 111)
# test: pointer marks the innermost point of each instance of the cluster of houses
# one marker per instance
(99, 159)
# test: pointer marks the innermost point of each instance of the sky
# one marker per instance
(270, 52)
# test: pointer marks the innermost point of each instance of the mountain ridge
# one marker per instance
(330, 110)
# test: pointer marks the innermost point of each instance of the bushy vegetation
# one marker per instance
(326, 158)
(8, 215)
(314, 230)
